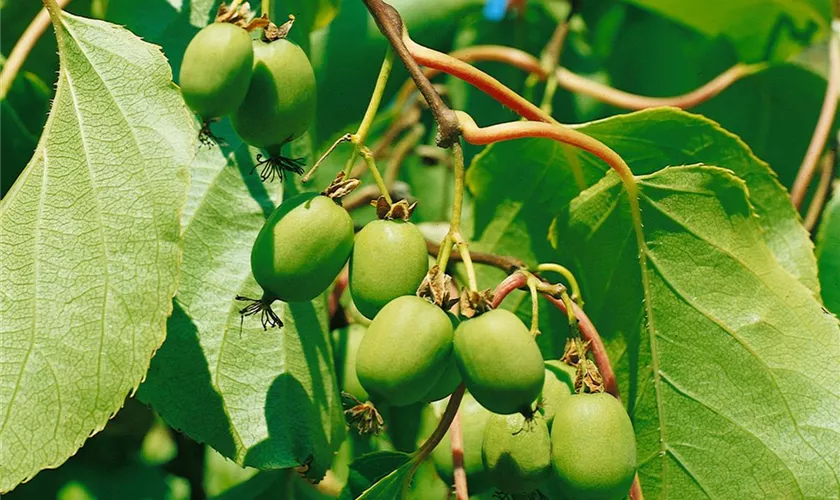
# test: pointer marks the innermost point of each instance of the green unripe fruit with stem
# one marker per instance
(499, 361)
(405, 350)
(389, 260)
(474, 419)
(558, 386)
(516, 452)
(302, 247)
(280, 103)
(216, 70)
(593, 447)
(347, 347)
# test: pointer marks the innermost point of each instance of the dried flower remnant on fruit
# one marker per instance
(364, 417)
(268, 317)
(273, 32)
(340, 187)
(474, 303)
(277, 166)
(436, 287)
(400, 210)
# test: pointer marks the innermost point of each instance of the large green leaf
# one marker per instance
(729, 365)
(90, 245)
(759, 29)
(775, 112)
(266, 399)
(519, 185)
(828, 252)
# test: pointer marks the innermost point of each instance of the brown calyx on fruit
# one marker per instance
(474, 303)
(588, 378)
(240, 14)
(436, 287)
(400, 210)
(273, 32)
(340, 187)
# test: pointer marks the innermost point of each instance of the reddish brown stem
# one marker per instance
(587, 329)
(582, 85)
(392, 27)
(443, 425)
(823, 128)
(24, 46)
(458, 472)
(477, 78)
(519, 130)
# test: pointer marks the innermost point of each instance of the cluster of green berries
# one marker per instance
(267, 87)
(524, 427)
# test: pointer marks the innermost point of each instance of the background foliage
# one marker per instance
(725, 343)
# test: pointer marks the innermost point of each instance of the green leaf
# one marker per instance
(727, 363)
(775, 112)
(828, 252)
(368, 469)
(394, 485)
(91, 245)
(759, 29)
(519, 185)
(265, 399)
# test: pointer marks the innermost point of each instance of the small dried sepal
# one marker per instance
(363, 416)
(475, 303)
(400, 210)
(273, 32)
(571, 353)
(340, 187)
(262, 306)
(237, 13)
(436, 287)
(588, 378)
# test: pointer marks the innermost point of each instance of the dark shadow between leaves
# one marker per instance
(179, 387)
(296, 420)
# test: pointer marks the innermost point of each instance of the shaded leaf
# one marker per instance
(394, 485)
(23, 113)
(267, 399)
(828, 252)
(91, 245)
(728, 364)
(759, 29)
(368, 469)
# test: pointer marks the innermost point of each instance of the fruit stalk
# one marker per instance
(565, 273)
(443, 425)
(370, 112)
(392, 27)
(551, 58)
